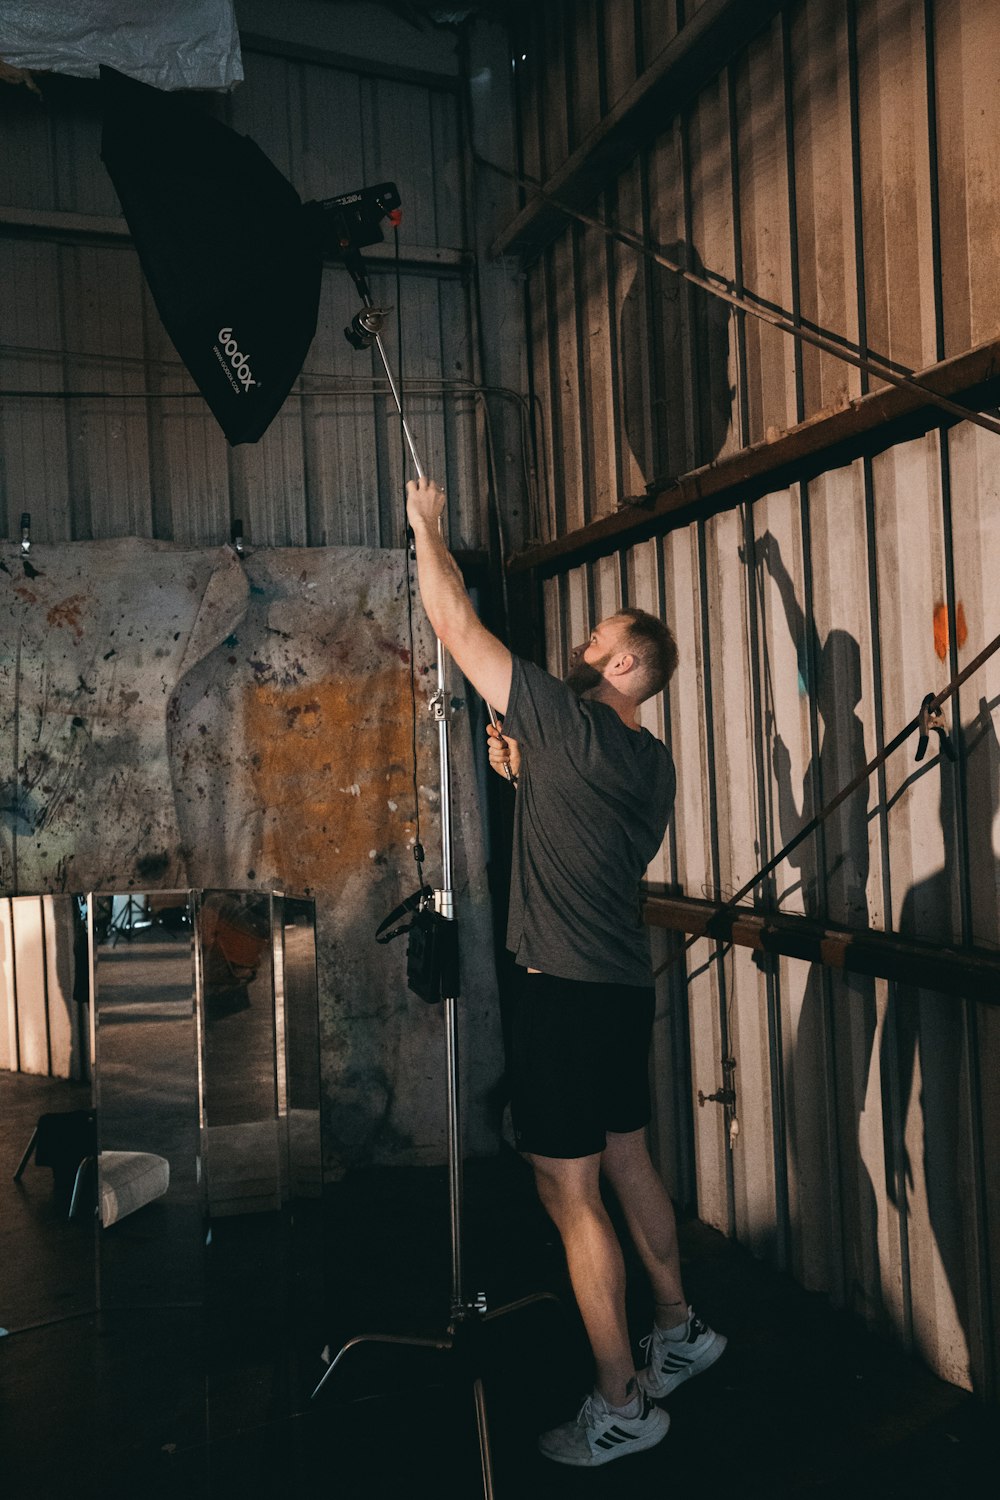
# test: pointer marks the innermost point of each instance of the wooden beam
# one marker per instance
(700, 50)
(970, 973)
(828, 440)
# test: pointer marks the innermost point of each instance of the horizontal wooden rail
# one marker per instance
(971, 973)
(826, 441)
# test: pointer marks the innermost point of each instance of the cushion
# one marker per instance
(129, 1180)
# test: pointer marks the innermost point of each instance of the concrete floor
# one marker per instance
(214, 1402)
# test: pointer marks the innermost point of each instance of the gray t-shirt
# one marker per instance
(592, 804)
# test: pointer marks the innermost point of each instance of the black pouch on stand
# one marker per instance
(432, 950)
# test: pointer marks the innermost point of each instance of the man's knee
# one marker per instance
(565, 1185)
(626, 1154)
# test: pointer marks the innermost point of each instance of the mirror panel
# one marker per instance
(295, 921)
(147, 1052)
(241, 1062)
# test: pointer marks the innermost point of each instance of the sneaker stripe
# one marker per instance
(615, 1436)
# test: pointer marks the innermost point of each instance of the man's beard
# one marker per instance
(586, 675)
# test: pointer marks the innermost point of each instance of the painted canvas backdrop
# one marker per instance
(175, 717)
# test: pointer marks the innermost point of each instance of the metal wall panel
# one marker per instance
(966, 41)
(819, 93)
(616, 45)
(8, 991)
(34, 1055)
(765, 247)
(841, 168)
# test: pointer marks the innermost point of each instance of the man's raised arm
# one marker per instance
(485, 661)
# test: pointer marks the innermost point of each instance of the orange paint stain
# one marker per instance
(327, 760)
(941, 632)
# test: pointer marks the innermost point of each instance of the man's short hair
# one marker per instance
(653, 643)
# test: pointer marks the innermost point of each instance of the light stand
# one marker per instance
(132, 915)
(465, 1315)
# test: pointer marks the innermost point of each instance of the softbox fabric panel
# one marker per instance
(231, 257)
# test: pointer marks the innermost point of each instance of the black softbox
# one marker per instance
(232, 256)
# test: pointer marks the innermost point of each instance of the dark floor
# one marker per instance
(194, 1403)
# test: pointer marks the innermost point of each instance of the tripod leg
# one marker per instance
(77, 1181)
(27, 1156)
(482, 1427)
(529, 1301)
(378, 1338)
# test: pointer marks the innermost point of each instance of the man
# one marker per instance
(594, 794)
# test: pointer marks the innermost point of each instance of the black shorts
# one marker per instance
(579, 1063)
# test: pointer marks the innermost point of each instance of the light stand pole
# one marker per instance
(464, 1314)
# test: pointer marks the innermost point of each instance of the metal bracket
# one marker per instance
(932, 722)
(721, 1096)
(727, 1094)
(437, 707)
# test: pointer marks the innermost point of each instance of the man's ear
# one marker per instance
(623, 663)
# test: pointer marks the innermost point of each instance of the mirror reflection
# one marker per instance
(241, 1062)
(198, 1020)
(150, 1188)
(300, 997)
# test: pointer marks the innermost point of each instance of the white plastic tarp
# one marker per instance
(188, 44)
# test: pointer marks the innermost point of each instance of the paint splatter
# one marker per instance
(941, 632)
(396, 650)
(68, 613)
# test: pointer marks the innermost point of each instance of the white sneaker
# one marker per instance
(673, 1360)
(599, 1434)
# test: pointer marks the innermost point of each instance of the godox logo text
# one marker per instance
(239, 362)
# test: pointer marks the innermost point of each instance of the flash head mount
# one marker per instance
(366, 326)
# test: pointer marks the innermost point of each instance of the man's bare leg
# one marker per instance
(571, 1195)
(649, 1214)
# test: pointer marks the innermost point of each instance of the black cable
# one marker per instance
(418, 848)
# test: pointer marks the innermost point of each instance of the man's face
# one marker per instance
(588, 661)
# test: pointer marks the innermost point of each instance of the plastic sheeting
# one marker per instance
(191, 44)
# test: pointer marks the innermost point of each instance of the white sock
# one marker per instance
(632, 1407)
(678, 1333)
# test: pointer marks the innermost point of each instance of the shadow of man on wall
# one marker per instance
(926, 1036)
(833, 866)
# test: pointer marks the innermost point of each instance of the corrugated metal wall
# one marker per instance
(843, 167)
(131, 448)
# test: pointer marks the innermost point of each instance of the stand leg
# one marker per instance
(77, 1183)
(379, 1338)
(482, 1426)
(27, 1156)
(509, 1307)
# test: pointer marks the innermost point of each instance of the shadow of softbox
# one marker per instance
(233, 257)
